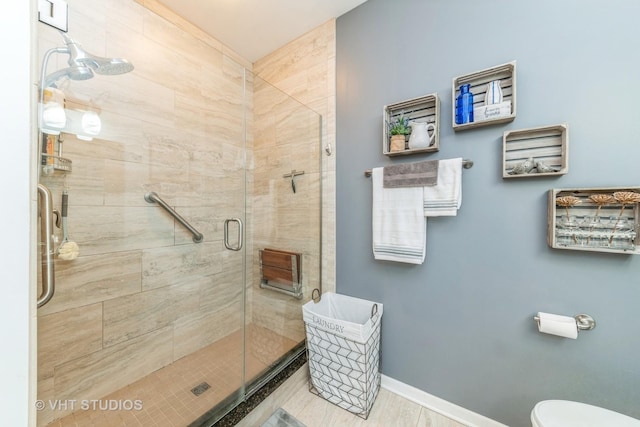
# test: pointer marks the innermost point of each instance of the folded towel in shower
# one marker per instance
(445, 198)
(415, 174)
(399, 225)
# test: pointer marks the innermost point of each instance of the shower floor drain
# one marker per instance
(200, 388)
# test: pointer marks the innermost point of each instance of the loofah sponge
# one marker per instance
(68, 251)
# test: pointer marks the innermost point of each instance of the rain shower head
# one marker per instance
(108, 66)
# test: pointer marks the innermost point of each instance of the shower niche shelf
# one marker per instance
(578, 222)
(423, 109)
(548, 146)
(506, 73)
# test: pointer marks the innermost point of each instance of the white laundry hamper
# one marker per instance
(343, 350)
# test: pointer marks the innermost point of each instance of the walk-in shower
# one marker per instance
(152, 324)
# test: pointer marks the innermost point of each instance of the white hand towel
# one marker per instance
(445, 198)
(399, 225)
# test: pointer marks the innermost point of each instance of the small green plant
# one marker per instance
(400, 126)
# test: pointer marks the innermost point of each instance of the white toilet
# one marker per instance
(564, 413)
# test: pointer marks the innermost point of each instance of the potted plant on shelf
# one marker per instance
(398, 131)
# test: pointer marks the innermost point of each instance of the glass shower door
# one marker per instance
(284, 226)
(281, 213)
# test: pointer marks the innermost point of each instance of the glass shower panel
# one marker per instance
(145, 324)
(284, 188)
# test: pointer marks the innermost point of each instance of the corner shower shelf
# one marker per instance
(506, 73)
(548, 145)
(424, 109)
(56, 163)
(588, 227)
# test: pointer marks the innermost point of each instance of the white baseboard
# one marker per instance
(436, 404)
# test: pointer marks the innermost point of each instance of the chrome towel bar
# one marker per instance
(466, 163)
(152, 197)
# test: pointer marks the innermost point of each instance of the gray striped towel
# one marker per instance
(398, 223)
(445, 198)
(416, 174)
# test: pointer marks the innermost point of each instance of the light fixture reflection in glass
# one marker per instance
(53, 118)
(91, 126)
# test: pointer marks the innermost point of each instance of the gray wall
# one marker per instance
(460, 326)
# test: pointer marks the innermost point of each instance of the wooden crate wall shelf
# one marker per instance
(616, 229)
(548, 145)
(506, 73)
(423, 109)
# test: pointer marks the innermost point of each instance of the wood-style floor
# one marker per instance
(389, 409)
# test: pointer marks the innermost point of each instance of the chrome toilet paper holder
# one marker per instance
(584, 322)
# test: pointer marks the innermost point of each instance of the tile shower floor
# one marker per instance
(166, 396)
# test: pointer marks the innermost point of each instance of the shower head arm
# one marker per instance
(45, 62)
(76, 70)
(65, 36)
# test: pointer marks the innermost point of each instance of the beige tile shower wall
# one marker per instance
(286, 138)
(142, 294)
(305, 70)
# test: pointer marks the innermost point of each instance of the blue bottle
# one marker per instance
(464, 105)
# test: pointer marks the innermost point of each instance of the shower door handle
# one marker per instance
(45, 204)
(226, 234)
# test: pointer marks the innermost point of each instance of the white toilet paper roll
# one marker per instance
(562, 326)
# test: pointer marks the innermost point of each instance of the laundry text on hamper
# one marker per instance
(331, 326)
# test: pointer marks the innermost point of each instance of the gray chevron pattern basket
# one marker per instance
(342, 370)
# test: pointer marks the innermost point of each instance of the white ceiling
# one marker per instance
(255, 28)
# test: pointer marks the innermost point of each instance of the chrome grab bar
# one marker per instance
(152, 197)
(226, 234)
(45, 204)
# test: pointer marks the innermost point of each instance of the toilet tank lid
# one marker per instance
(565, 413)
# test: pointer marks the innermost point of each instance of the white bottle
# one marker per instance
(494, 93)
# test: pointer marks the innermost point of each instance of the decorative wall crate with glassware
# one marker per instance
(595, 219)
(424, 109)
(535, 152)
(506, 74)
